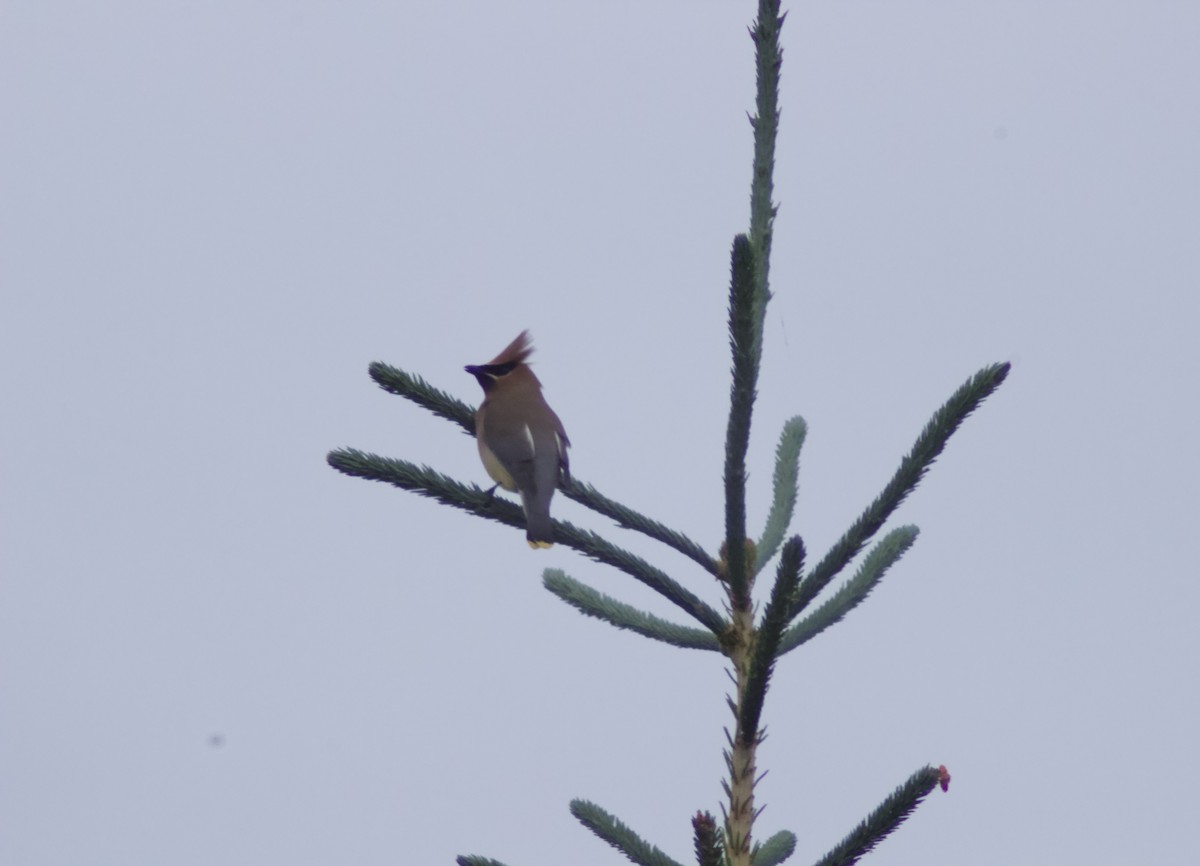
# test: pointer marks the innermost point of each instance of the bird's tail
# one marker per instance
(539, 531)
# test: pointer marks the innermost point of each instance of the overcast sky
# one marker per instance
(214, 649)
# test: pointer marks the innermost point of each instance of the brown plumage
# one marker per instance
(521, 441)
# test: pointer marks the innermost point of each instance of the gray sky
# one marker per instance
(216, 650)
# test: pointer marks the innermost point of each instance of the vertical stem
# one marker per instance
(741, 755)
(743, 746)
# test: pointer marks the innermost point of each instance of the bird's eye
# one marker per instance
(498, 370)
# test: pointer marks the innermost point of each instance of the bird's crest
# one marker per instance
(515, 352)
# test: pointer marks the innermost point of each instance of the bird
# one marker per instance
(521, 440)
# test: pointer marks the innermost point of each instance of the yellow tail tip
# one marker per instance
(540, 545)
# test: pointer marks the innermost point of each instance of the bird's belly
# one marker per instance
(496, 469)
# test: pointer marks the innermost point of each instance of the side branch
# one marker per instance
(586, 494)
(402, 384)
(886, 817)
(775, 850)
(618, 835)
(427, 482)
(854, 591)
(766, 650)
(916, 463)
(591, 602)
(594, 547)
(783, 500)
(708, 840)
(741, 405)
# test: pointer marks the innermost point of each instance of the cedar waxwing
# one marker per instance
(521, 441)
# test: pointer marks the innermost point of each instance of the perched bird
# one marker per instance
(521, 441)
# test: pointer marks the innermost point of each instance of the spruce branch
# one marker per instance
(618, 835)
(474, 860)
(775, 850)
(886, 817)
(783, 503)
(414, 388)
(916, 463)
(710, 848)
(741, 405)
(854, 591)
(595, 547)
(775, 619)
(426, 482)
(591, 602)
(586, 494)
